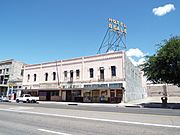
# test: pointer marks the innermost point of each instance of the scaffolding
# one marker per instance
(115, 37)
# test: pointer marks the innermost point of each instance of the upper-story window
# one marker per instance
(113, 70)
(101, 73)
(22, 72)
(71, 74)
(3, 71)
(7, 70)
(77, 73)
(46, 76)
(28, 77)
(91, 72)
(54, 76)
(65, 74)
(35, 77)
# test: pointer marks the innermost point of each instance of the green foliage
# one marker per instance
(164, 66)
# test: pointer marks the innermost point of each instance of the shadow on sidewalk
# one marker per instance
(160, 105)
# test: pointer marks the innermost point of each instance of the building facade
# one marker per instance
(170, 90)
(107, 77)
(11, 76)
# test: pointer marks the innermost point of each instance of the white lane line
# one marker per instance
(54, 132)
(93, 119)
(21, 108)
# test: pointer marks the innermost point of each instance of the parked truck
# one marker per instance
(27, 98)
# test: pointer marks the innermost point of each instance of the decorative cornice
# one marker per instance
(85, 59)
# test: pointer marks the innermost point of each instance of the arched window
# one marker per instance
(54, 76)
(28, 77)
(46, 76)
(35, 77)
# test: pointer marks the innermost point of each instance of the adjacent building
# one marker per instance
(109, 77)
(11, 76)
(170, 90)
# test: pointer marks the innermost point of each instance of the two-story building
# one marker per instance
(109, 77)
(11, 76)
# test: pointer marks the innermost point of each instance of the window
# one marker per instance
(0, 71)
(101, 73)
(54, 75)
(91, 71)
(65, 74)
(7, 70)
(46, 76)
(77, 73)
(35, 77)
(22, 72)
(55, 93)
(28, 77)
(71, 74)
(113, 70)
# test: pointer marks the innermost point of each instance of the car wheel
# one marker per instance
(17, 100)
(28, 101)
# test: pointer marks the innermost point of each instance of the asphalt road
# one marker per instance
(155, 111)
(31, 119)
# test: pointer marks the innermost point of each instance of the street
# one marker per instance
(18, 119)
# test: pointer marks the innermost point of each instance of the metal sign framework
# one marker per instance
(115, 37)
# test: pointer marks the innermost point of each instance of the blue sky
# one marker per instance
(35, 31)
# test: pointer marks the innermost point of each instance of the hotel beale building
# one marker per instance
(106, 78)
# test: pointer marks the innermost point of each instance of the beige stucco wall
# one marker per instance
(83, 64)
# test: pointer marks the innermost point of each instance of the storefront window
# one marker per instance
(55, 93)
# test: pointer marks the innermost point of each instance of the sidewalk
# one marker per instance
(149, 102)
(92, 104)
(155, 102)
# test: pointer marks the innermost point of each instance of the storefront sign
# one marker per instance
(110, 85)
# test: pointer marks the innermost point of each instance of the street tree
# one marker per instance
(164, 65)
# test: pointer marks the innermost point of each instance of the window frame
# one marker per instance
(113, 71)
(35, 77)
(46, 76)
(54, 76)
(91, 73)
(77, 73)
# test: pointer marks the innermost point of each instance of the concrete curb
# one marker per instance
(92, 104)
(123, 105)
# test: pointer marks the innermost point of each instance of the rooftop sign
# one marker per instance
(117, 26)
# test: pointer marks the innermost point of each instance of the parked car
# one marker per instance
(27, 98)
(4, 99)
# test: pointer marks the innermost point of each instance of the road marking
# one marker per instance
(54, 132)
(21, 108)
(93, 119)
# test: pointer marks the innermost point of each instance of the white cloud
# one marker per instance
(136, 56)
(160, 11)
(141, 61)
(135, 52)
(136, 63)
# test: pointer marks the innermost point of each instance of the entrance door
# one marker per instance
(112, 96)
(63, 95)
(48, 96)
(68, 95)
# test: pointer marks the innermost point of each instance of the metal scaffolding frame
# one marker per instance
(115, 37)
